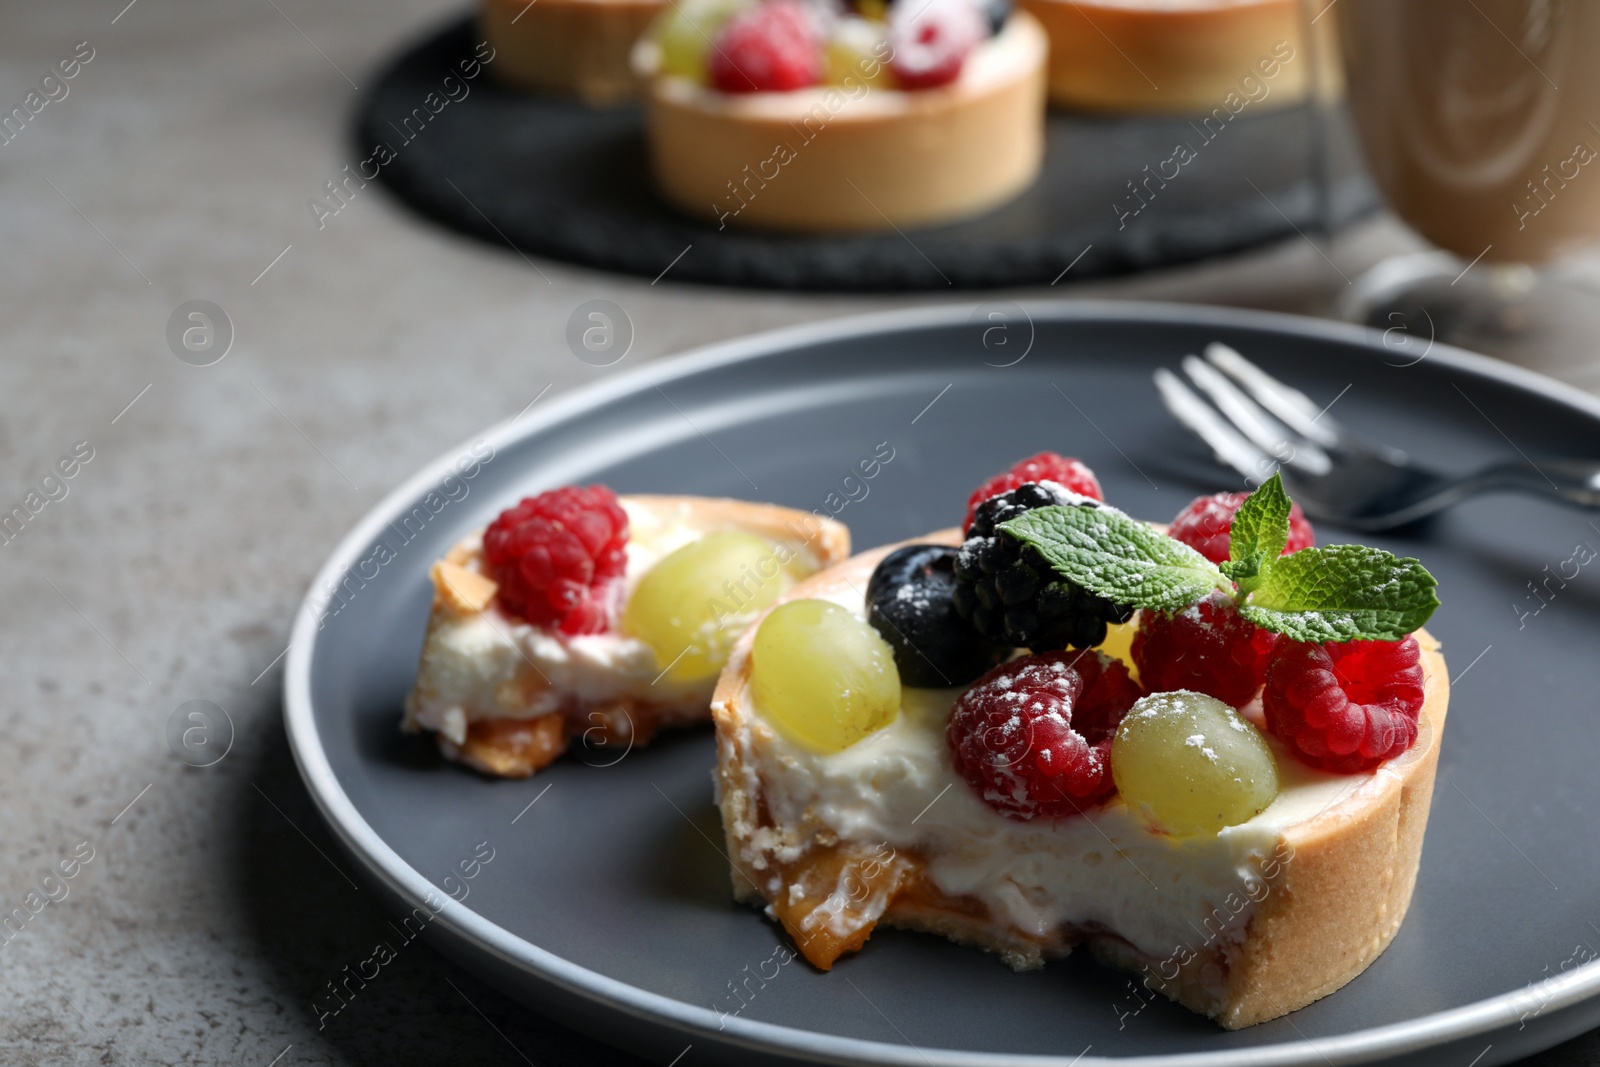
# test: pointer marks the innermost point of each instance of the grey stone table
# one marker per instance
(204, 911)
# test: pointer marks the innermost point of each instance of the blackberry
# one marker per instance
(1009, 593)
(910, 603)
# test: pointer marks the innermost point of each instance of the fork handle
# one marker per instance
(1576, 481)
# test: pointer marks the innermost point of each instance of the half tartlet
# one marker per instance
(784, 116)
(598, 617)
(1028, 811)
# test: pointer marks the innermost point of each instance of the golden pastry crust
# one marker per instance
(577, 47)
(788, 161)
(1326, 911)
(1161, 56)
(501, 738)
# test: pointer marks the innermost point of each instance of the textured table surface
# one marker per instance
(178, 167)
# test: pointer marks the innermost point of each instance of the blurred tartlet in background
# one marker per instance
(1172, 56)
(792, 116)
(573, 47)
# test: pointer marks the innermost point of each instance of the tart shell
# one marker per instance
(1160, 56)
(1329, 909)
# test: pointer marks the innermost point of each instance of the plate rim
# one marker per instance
(381, 862)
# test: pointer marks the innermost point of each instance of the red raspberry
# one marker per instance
(1205, 526)
(1208, 647)
(1108, 692)
(1344, 707)
(1044, 467)
(931, 41)
(556, 555)
(773, 47)
(1033, 736)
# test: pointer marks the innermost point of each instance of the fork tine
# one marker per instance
(1265, 432)
(1227, 445)
(1287, 403)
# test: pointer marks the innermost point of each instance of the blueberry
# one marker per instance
(911, 603)
(997, 11)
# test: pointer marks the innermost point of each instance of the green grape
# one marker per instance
(695, 602)
(1192, 764)
(821, 676)
(854, 52)
(684, 32)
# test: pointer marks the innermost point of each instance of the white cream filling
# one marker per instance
(1106, 870)
(468, 661)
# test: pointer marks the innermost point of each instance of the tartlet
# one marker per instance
(1224, 793)
(1276, 913)
(857, 154)
(579, 48)
(507, 697)
(1173, 56)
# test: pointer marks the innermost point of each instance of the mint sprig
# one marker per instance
(1342, 593)
(1334, 593)
(1260, 530)
(1110, 554)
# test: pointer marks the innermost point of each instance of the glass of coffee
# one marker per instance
(1480, 124)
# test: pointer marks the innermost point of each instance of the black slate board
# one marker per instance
(552, 177)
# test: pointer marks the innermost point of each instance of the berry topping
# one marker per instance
(996, 11)
(1010, 594)
(932, 38)
(1207, 647)
(775, 46)
(1033, 736)
(556, 555)
(1191, 764)
(1207, 523)
(821, 676)
(1109, 690)
(1344, 707)
(1044, 467)
(683, 30)
(911, 603)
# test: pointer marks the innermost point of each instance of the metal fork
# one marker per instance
(1257, 424)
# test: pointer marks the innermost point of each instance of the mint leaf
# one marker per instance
(1114, 556)
(1342, 593)
(1260, 530)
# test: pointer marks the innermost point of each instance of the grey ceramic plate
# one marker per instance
(606, 901)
